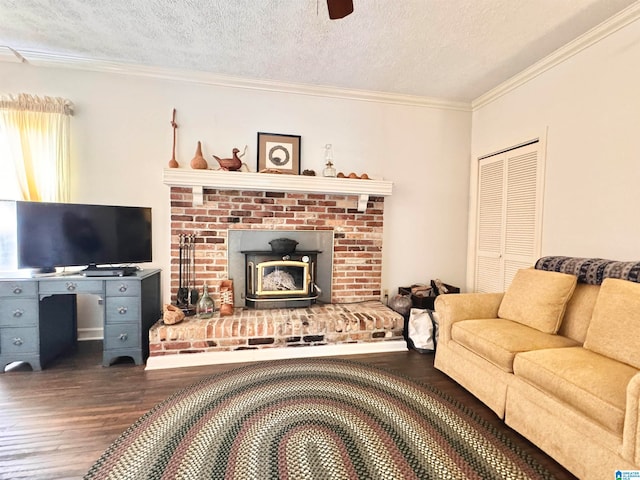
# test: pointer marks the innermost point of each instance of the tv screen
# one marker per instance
(65, 234)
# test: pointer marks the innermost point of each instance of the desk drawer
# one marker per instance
(18, 340)
(118, 336)
(71, 286)
(18, 311)
(122, 309)
(123, 288)
(18, 288)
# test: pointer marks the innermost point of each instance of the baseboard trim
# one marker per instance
(261, 354)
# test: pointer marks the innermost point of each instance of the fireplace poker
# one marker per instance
(193, 295)
(187, 268)
(181, 297)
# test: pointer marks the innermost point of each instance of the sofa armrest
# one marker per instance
(631, 433)
(464, 306)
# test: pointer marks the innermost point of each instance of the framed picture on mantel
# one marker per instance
(278, 153)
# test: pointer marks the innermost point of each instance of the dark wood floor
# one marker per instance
(56, 423)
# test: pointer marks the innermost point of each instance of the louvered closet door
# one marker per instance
(489, 264)
(509, 216)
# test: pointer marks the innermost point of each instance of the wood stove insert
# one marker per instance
(281, 281)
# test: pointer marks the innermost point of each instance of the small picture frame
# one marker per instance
(278, 153)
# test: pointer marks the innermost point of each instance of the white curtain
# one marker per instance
(34, 148)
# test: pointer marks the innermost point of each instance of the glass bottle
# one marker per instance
(205, 305)
(329, 171)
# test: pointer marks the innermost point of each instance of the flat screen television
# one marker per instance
(53, 235)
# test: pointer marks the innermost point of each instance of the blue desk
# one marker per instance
(38, 316)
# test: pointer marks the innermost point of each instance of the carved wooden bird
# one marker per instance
(232, 164)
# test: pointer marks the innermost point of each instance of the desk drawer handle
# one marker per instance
(71, 286)
(123, 337)
(18, 341)
(122, 310)
(18, 313)
(17, 290)
(123, 288)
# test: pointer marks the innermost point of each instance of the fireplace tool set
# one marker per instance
(187, 296)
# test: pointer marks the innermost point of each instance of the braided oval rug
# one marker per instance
(312, 419)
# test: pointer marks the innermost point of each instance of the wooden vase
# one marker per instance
(198, 162)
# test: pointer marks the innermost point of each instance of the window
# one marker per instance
(34, 148)
(8, 183)
(34, 160)
(8, 240)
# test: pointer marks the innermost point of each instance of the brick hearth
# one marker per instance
(255, 329)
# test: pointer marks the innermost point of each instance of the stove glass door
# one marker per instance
(283, 278)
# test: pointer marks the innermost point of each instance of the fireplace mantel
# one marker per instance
(198, 180)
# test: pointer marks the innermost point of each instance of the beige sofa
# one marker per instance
(558, 360)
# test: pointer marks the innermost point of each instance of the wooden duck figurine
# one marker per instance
(231, 164)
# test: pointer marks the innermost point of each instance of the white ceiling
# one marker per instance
(446, 49)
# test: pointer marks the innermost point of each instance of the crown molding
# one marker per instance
(43, 59)
(593, 36)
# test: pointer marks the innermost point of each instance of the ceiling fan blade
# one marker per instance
(339, 8)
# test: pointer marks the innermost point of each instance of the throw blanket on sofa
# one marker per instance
(591, 270)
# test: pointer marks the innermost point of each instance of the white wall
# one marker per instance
(590, 107)
(122, 141)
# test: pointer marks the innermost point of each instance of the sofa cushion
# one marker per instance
(538, 299)
(579, 311)
(498, 340)
(616, 321)
(589, 382)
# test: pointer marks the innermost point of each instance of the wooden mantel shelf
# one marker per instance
(198, 180)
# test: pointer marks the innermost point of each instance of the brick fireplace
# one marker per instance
(279, 206)
(357, 236)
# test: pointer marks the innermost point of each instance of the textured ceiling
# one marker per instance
(446, 49)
